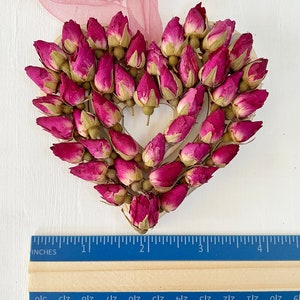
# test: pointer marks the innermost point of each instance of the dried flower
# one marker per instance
(71, 152)
(128, 171)
(154, 151)
(104, 78)
(196, 22)
(155, 60)
(50, 105)
(96, 36)
(71, 36)
(98, 148)
(224, 154)
(241, 131)
(124, 84)
(91, 171)
(193, 153)
(199, 175)
(112, 193)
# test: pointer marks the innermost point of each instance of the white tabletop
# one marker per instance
(258, 193)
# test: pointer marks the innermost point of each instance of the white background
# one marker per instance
(258, 193)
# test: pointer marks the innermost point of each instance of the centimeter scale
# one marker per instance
(165, 267)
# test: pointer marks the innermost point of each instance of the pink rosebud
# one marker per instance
(70, 91)
(188, 67)
(241, 131)
(91, 171)
(51, 55)
(155, 60)
(96, 36)
(170, 200)
(124, 84)
(112, 193)
(214, 71)
(82, 131)
(224, 154)
(166, 176)
(193, 153)
(173, 40)
(191, 103)
(240, 51)
(196, 22)
(124, 144)
(118, 32)
(220, 35)
(99, 148)
(128, 171)
(60, 127)
(82, 63)
(107, 112)
(248, 102)
(49, 105)
(255, 72)
(224, 94)
(45, 79)
(144, 212)
(154, 151)
(199, 175)
(213, 127)
(136, 54)
(71, 36)
(104, 78)
(170, 85)
(71, 152)
(179, 129)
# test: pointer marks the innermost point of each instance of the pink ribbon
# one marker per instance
(143, 15)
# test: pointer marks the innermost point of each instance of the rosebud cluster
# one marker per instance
(92, 75)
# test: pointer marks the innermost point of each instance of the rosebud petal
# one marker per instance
(196, 22)
(154, 151)
(128, 171)
(112, 193)
(99, 148)
(255, 72)
(60, 127)
(179, 129)
(213, 127)
(124, 144)
(49, 104)
(71, 152)
(155, 60)
(104, 78)
(199, 175)
(82, 131)
(193, 153)
(71, 36)
(170, 85)
(241, 131)
(124, 84)
(96, 35)
(224, 154)
(91, 171)
(165, 177)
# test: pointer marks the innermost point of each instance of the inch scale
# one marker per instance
(168, 248)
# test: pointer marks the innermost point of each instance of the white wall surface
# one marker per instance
(258, 193)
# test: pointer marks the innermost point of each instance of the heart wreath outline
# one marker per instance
(206, 72)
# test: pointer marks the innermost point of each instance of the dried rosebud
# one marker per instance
(188, 67)
(82, 63)
(193, 153)
(191, 102)
(51, 55)
(128, 171)
(255, 72)
(91, 171)
(178, 130)
(170, 200)
(104, 78)
(224, 94)
(71, 36)
(82, 131)
(124, 144)
(199, 175)
(173, 40)
(107, 112)
(96, 36)
(112, 193)
(214, 71)
(118, 32)
(154, 151)
(248, 102)
(98, 148)
(213, 127)
(155, 60)
(45, 79)
(50, 105)
(71, 152)
(224, 154)
(240, 50)
(220, 35)
(165, 177)
(196, 22)
(70, 91)
(241, 131)
(60, 127)
(124, 84)
(136, 53)
(86, 123)
(144, 212)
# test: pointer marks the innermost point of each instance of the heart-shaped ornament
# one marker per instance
(196, 91)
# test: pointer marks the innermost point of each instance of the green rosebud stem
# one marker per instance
(173, 60)
(119, 52)
(147, 186)
(148, 111)
(243, 86)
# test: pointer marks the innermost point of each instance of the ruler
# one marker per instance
(248, 267)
